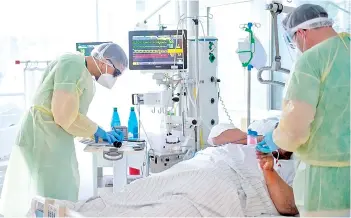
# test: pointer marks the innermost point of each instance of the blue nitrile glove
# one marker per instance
(118, 134)
(107, 137)
(267, 145)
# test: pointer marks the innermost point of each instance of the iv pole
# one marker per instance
(26, 62)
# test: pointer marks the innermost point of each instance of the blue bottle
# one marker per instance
(115, 121)
(133, 125)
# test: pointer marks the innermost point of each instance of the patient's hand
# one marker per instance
(260, 138)
(266, 161)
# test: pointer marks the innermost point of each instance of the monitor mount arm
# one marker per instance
(275, 9)
(145, 20)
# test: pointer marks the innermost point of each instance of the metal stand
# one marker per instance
(248, 96)
(275, 9)
(27, 63)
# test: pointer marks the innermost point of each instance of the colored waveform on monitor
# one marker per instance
(152, 42)
(150, 56)
(159, 51)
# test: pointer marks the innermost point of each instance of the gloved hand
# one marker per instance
(118, 134)
(267, 145)
(106, 136)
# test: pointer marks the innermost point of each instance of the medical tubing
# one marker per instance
(147, 152)
(248, 97)
(192, 101)
(196, 84)
(224, 107)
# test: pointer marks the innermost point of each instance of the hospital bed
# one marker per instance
(256, 198)
(255, 202)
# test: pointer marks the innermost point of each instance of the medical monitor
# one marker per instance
(86, 47)
(158, 50)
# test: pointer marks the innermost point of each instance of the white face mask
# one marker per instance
(107, 80)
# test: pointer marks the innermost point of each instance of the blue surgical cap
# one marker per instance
(111, 52)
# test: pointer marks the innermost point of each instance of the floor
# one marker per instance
(3, 166)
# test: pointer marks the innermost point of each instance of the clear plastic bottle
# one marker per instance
(115, 121)
(133, 125)
(251, 137)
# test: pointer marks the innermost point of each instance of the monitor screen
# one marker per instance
(86, 47)
(158, 50)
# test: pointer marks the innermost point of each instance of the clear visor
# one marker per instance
(289, 41)
(117, 72)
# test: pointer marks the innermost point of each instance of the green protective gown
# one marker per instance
(43, 161)
(315, 124)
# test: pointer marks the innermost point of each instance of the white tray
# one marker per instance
(92, 146)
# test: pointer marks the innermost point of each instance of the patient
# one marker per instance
(227, 133)
(280, 191)
(223, 181)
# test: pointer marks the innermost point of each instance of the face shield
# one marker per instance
(289, 41)
(304, 17)
(116, 71)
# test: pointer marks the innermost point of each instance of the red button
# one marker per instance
(134, 171)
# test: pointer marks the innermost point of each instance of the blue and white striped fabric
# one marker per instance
(213, 183)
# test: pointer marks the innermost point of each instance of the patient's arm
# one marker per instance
(232, 136)
(281, 193)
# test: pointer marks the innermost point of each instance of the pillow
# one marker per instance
(264, 126)
(260, 126)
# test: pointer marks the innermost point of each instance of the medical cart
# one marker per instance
(105, 155)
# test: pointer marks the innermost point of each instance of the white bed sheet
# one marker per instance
(214, 183)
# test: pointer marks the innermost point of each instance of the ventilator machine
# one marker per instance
(189, 100)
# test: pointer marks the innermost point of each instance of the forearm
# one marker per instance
(230, 136)
(233, 136)
(294, 126)
(65, 111)
(82, 127)
(281, 193)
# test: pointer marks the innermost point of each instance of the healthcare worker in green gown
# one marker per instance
(43, 161)
(315, 121)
